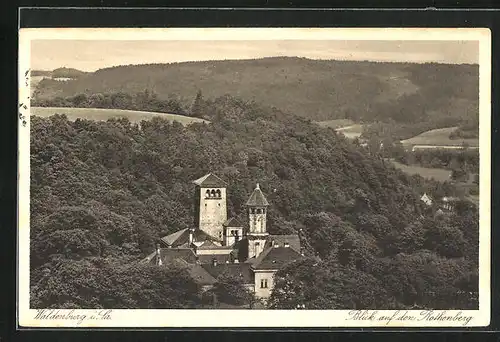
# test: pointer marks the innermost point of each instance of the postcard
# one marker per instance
(254, 177)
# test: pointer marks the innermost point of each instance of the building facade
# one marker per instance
(241, 246)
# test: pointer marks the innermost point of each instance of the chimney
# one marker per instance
(287, 244)
(191, 237)
(158, 255)
(214, 262)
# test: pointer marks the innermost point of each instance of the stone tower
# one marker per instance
(210, 205)
(257, 233)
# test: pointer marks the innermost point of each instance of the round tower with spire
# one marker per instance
(257, 211)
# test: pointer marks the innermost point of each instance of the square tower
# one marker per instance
(211, 205)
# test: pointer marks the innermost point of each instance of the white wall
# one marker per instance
(259, 275)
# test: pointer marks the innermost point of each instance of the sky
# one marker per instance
(90, 55)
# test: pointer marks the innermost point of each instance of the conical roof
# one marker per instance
(257, 198)
(210, 180)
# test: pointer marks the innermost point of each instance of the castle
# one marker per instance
(240, 246)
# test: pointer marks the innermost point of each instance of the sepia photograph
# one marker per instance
(276, 172)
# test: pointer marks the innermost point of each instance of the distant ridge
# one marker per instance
(315, 89)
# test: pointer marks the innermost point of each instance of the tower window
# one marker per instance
(218, 194)
(207, 194)
(259, 211)
(212, 193)
(263, 283)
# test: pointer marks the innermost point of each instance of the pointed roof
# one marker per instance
(257, 198)
(210, 181)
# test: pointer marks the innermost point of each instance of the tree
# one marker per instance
(198, 107)
(230, 289)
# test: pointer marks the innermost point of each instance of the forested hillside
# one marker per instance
(103, 192)
(315, 89)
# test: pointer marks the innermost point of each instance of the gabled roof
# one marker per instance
(181, 237)
(292, 239)
(275, 258)
(172, 238)
(239, 270)
(257, 198)
(210, 181)
(170, 255)
(211, 245)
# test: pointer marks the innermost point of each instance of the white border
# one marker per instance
(254, 318)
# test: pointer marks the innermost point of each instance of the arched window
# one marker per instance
(218, 193)
(207, 194)
(259, 211)
(212, 193)
(252, 210)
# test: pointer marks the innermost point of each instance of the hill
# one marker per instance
(102, 193)
(315, 89)
(67, 73)
(102, 114)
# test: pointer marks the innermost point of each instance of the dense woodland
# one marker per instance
(102, 193)
(315, 89)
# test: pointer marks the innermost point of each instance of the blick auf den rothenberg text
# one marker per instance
(443, 316)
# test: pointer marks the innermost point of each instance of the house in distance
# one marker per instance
(240, 246)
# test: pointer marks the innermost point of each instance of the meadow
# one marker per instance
(426, 172)
(336, 124)
(351, 131)
(100, 114)
(439, 137)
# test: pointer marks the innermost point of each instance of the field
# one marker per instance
(438, 174)
(439, 137)
(351, 131)
(335, 124)
(99, 114)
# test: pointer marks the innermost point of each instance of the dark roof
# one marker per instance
(210, 245)
(274, 258)
(181, 237)
(210, 181)
(257, 198)
(170, 255)
(233, 222)
(200, 275)
(292, 239)
(240, 270)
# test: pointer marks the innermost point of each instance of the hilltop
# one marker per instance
(318, 90)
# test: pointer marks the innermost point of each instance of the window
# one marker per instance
(259, 211)
(207, 194)
(218, 194)
(212, 193)
(263, 283)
